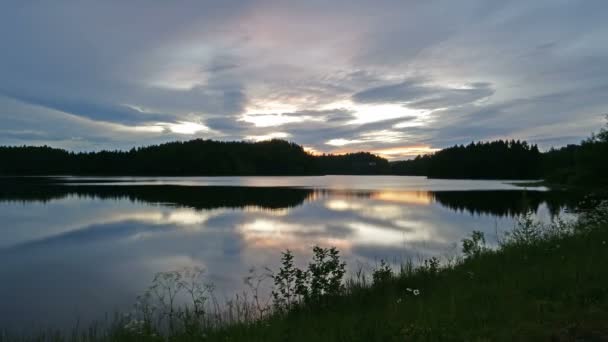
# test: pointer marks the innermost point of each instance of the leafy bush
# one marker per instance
(596, 215)
(474, 246)
(431, 265)
(322, 278)
(290, 283)
(382, 273)
(527, 231)
(326, 272)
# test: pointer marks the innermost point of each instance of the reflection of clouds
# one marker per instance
(407, 197)
(367, 208)
(267, 233)
(181, 217)
(341, 205)
(60, 217)
(267, 211)
(383, 211)
(379, 235)
(360, 221)
(115, 246)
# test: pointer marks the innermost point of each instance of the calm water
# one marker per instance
(77, 248)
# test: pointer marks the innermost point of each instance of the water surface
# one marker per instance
(75, 248)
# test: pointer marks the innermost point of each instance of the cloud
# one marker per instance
(92, 110)
(417, 94)
(485, 70)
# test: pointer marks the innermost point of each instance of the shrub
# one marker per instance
(431, 265)
(322, 278)
(474, 246)
(326, 272)
(382, 273)
(290, 283)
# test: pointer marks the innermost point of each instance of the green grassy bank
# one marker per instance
(551, 290)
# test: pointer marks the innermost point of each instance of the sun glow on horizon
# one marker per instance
(269, 136)
(270, 120)
(405, 151)
(186, 127)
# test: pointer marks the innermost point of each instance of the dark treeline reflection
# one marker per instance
(506, 203)
(197, 197)
(495, 202)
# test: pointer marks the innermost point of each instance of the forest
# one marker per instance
(482, 160)
(585, 164)
(582, 164)
(190, 158)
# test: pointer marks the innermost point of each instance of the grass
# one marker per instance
(542, 284)
(555, 289)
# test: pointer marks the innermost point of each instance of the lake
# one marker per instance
(74, 249)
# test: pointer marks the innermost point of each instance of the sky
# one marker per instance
(394, 77)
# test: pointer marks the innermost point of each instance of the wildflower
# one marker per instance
(398, 300)
(603, 242)
(416, 292)
(408, 289)
(134, 326)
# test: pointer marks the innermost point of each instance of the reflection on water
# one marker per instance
(408, 197)
(77, 251)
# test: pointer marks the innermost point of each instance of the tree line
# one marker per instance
(194, 157)
(482, 160)
(585, 164)
(582, 164)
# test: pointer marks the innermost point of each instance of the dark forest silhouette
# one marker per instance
(583, 164)
(483, 160)
(586, 163)
(195, 157)
(573, 164)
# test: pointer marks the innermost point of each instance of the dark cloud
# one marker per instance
(92, 110)
(418, 94)
(329, 116)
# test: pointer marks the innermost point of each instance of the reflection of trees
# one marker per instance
(505, 202)
(198, 197)
(500, 203)
(494, 202)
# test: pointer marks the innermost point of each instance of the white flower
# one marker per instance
(416, 292)
(134, 325)
(398, 300)
(408, 289)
